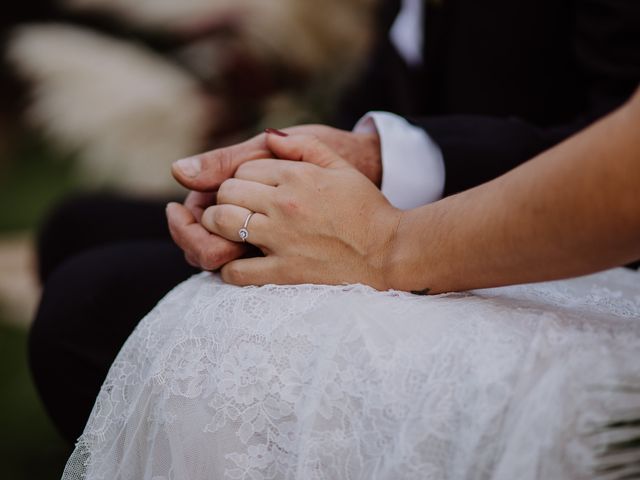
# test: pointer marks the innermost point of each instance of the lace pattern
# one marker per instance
(318, 382)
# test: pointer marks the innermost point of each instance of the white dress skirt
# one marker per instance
(325, 382)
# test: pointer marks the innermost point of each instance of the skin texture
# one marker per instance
(572, 210)
(203, 174)
(304, 237)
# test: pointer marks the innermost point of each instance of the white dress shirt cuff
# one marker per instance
(412, 166)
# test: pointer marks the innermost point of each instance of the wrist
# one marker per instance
(369, 161)
(400, 260)
(414, 254)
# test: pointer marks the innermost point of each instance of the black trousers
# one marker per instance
(104, 263)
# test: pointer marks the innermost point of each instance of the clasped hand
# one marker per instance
(316, 219)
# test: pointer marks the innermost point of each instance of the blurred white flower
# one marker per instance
(128, 112)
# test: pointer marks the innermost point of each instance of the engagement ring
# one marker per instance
(243, 232)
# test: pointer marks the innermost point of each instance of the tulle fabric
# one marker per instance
(320, 382)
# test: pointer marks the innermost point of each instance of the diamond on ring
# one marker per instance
(243, 233)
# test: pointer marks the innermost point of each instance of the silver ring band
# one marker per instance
(243, 232)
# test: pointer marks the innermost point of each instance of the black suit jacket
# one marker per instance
(503, 80)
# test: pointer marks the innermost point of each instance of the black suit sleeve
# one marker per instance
(588, 67)
(606, 47)
(477, 149)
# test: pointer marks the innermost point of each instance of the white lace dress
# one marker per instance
(317, 382)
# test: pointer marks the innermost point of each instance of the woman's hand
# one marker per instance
(203, 174)
(317, 219)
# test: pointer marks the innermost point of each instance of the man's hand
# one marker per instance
(207, 171)
(203, 174)
(316, 218)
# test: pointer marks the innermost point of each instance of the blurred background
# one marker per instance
(104, 95)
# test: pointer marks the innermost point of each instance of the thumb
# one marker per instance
(306, 148)
(206, 172)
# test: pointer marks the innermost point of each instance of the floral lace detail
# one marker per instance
(319, 382)
(613, 293)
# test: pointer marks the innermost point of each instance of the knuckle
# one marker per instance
(221, 162)
(288, 204)
(313, 144)
(243, 169)
(299, 172)
(314, 140)
(226, 189)
(292, 173)
(307, 170)
(233, 274)
(218, 217)
(209, 260)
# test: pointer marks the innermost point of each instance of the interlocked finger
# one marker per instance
(254, 196)
(236, 224)
(266, 171)
(202, 249)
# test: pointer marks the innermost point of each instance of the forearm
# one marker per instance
(572, 210)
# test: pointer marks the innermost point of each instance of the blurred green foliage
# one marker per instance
(30, 447)
(32, 179)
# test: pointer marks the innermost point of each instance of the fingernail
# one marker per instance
(191, 166)
(275, 131)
